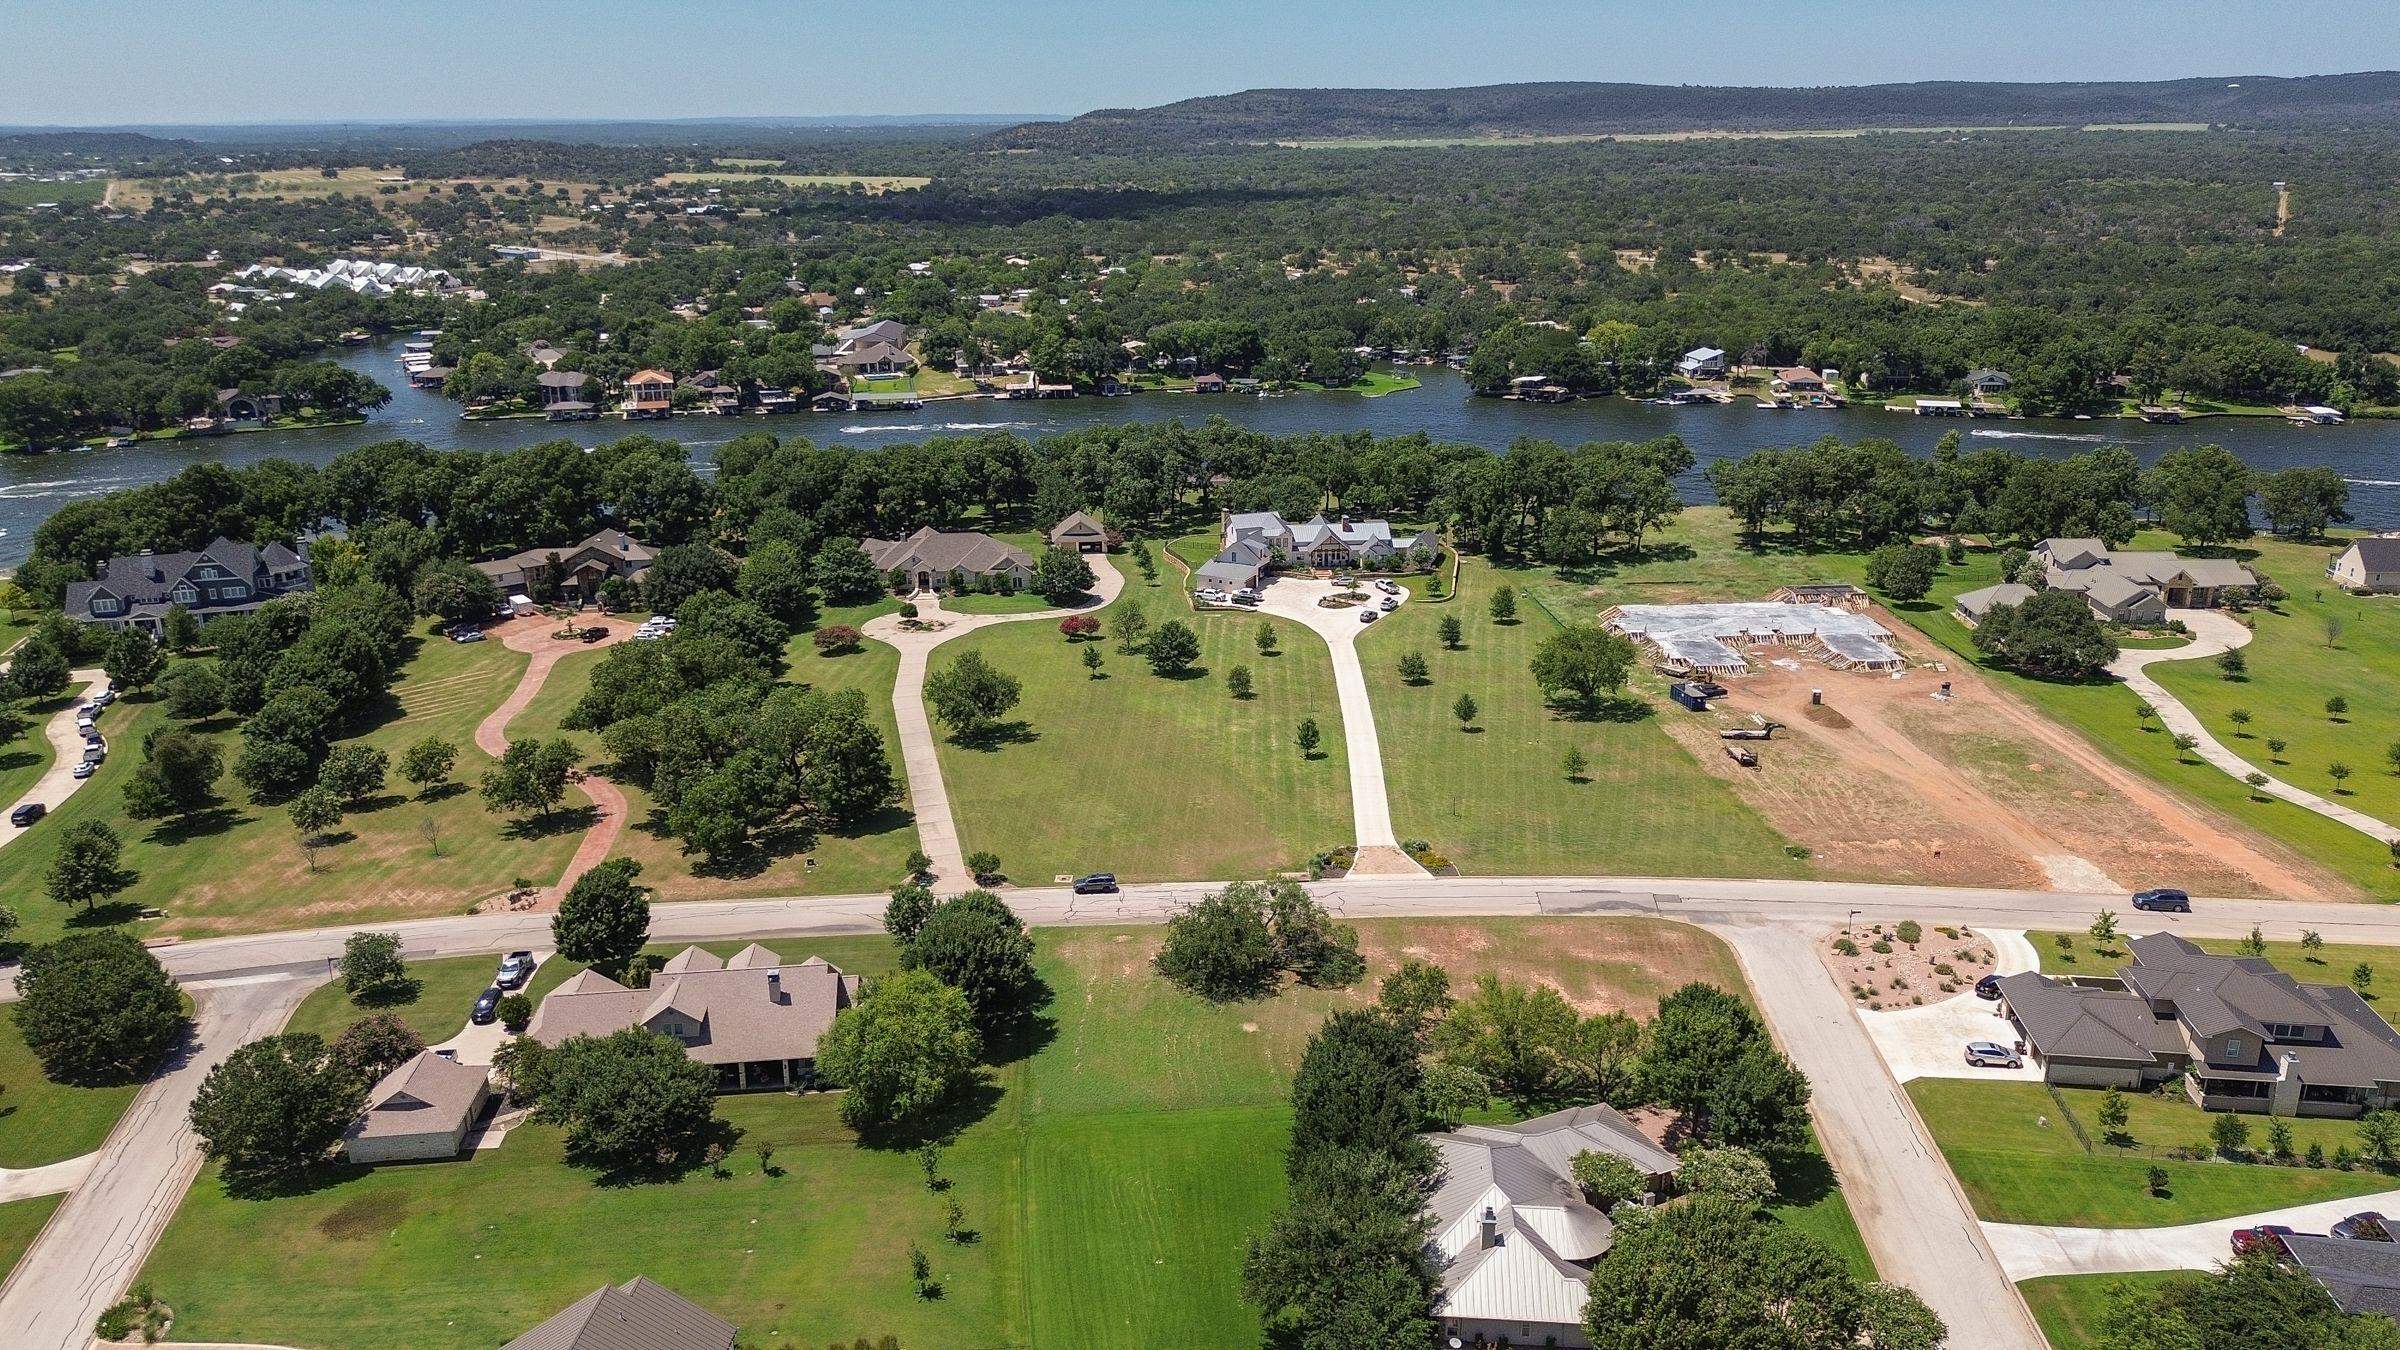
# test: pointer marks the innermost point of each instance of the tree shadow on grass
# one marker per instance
(966, 1107)
(398, 993)
(565, 820)
(993, 735)
(379, 802)
(201, 824)
(110, 915)
(441, 792)
(1623, 711)
(1185, 675)
(691, 1158)
(18, 759)
(1804, 1179)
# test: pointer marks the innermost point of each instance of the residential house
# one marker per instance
(1080, 532)
(1972, 606)
(2370, 566)
(1264, 539)
(1513, 1233)
(2243, 1035)
(581, 568)
(541, 353)
(421, 1110)
(566, 394)
(877, 348)
(2360, 1276)
(2139, 587)
(1987, 381)
(930, 558)
(639, 1314)
(751, 1017)
(223, 578)
(1208, 382)
(1799, 380)
(648, 393)
(235, 408)
(1701, 363)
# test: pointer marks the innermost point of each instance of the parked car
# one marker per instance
(27, 814)
(105, 696)
(1369, 615)
(595, 633)
(1387, 586)
(466, 632)
(487, 1008)
(1245, 596)
(84, 769)
(2164, 898)
(1988, 988)
(1389, 603)
(515, 969)
(1988, 1055)
(2267, 1236)
(1211, 596)
(95, 750)
(1098, 883)
(2365, 1226)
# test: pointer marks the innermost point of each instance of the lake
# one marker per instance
(2366, 453)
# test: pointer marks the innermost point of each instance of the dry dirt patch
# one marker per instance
(1882, 971)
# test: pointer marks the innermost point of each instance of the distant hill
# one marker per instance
(1568, 108)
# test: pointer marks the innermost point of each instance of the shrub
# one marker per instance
(515, 1011)
(834, 639)
(1909, 933)
(1845, 946)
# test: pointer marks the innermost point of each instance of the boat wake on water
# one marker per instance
(2038, 435)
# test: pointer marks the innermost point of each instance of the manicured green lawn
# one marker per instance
(1111, 1182)
(1149, 776)
(2012, 1150)
(20, 1222)
(1022, 602)
(45, 1122)
(2069, 1307)
(24, 760)
(1496, 800)
(1812, 1203)
(239, 868)
(1373, 384)
(2332, 964)
(436, 1009)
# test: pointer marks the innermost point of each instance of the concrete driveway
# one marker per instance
(2029, 1250)
(1295, 598)
(66, 751)
(1930, 1042)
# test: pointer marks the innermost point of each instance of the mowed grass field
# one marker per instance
(20, 1222)
(2013, 1152)
(44, 1122)
(870, 856)
(24, 760)
(238, 867)
(1147, 776)
(1122, 1162)
(1497, 800)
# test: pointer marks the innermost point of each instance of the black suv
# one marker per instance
(2164, 898)
(27, 814)
(1098, 883)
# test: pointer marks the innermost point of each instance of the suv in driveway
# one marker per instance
(1988, 1055)
(2165, 898)
(515, 969)
(487, 1008)
(25, 815)
(1988, 988)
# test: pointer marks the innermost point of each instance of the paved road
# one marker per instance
(66, 751)
(94, 1245)
(1917, 1223)
(1295, 598)
(2214, 632)
(2029, 1250)
(928, 799)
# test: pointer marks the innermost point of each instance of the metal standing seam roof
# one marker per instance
(640, 1314)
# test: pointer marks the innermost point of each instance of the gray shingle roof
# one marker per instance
(945, 551)
(2378, 553)
(2077, 1023)
(427, 1094)
(755, 1009)
(150, 579)
(640, 1314)
(2361, 1277)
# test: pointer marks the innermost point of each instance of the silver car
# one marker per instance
(1987, 1055)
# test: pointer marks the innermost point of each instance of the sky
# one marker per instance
(101, 62)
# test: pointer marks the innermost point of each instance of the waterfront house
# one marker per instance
(2369, 566)
(648, 393)
(2139, 587)
(931, 559)
(580, 569)
(1263, 538)
(223, 578)
(1701, 363)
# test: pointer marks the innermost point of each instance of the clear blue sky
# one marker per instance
(109, 61)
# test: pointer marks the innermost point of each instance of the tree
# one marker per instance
(454, 592)
(2362, 978)
(1464, 710)
(1132, 627)
(2104, 927)
(1708, 1275)
(983, 865)
(1264, 638)
(2335, 707)
(1503, 605)
(428, 763)
(133, 659)
(1735, 1174)
(181, 630)
(275, 1107)
(1603, 1054)
(178, 775)
(2201, 493)
(1308, 943)
(605, 917)
(1518, 1036)
(2255, 1299)
(2052, 634)
(1896, 1318)
(375, 1045)
(1574, 766)
(1308, 737)
(1581, 663)
(1452, 1092)
(1607, 1180)
(900, 1051)
(1172, 648)
(1356, 1087)
(977, 945)
(2379, 1134)
(632, 1101)
(1237, 681)
(1451, 631)
(2302, 503)
(2240, 717)
(1060, 575)
(1412, 667)
(2230, 1133)
(1092, 662)
(970, 694)
(531, 776)
(774, 577)
(97, 1008)
(1415, 996)
(87, 868)
(191, 692)
(314, 814)
(2232, 664)
(2113, 1114)
(1698, 1035)
(844, 574)
(37, 669)
(681, 571)
(1903, 572)
(910, 907)
(354, 772)
(1221, 948)
(2339, 773)
(372, 968)
(835, 639)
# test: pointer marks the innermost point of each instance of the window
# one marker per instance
(233, 591)
(183, 594)
(104, 604)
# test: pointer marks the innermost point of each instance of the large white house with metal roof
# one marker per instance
(1255, 541)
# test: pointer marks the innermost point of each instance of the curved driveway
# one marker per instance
(1295, 598)
(66, 750)
(2214, 632)
(928, 799)
(535, 635)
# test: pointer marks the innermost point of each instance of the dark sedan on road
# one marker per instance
(2165, 899)
(1098, 883)
(487, 1008)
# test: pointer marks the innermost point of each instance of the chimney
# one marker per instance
(775, 986)
(1491, 1227)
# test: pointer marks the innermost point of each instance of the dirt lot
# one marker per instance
(1886, 781)
(1940, 963)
